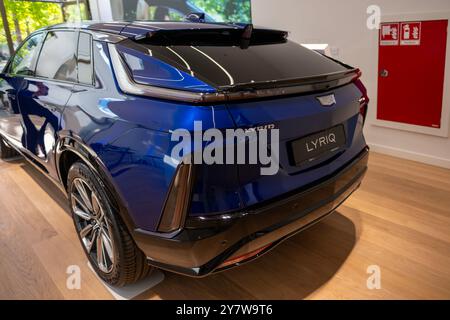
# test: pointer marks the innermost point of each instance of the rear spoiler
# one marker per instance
(300, 85)
(243, 91)
(242, 35)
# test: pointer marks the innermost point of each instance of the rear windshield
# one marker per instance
(221, 64)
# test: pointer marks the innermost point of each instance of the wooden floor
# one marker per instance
(399, 220)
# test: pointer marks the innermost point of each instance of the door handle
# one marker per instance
(384, 73)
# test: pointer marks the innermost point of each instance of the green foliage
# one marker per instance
(31, 16)
(226, 10)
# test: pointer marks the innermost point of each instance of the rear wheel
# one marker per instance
(104, 237)
(6, 152)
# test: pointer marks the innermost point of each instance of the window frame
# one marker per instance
(92, 84)
(7, 68)
(40, 53)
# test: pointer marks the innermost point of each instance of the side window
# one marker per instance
(85, 66)
(24, 60)
(58, 56)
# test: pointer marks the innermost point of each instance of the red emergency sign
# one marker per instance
(411, 33)
(389, 34)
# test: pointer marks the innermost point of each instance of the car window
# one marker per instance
(85, 59)
(24, 60)
(58, 56)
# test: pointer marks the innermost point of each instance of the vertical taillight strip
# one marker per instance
(364, 100)
(178, 200)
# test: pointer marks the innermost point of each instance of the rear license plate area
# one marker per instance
(315, 146)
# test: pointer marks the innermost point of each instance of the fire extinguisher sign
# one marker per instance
(411, 33)
(389, 34)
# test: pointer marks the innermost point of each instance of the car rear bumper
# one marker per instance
(213, 244)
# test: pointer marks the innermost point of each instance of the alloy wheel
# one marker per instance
(93, 226)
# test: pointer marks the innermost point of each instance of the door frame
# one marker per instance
(443, 131)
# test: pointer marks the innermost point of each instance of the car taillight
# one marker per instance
(177, 202)
(235, 260)
(363, 108)
(364, 100)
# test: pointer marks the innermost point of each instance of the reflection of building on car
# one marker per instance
(155, 10)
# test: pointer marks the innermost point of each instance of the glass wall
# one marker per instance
(176, 10)
(26, 16)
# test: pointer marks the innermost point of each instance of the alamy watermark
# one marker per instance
(253, 146)
(374, 280)
(374, 19)
(73, 281)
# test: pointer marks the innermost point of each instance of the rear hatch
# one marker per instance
(302, 121)
(265, 80)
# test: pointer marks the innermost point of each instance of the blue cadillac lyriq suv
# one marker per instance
(95, 106)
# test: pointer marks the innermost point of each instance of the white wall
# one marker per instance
(342, 24)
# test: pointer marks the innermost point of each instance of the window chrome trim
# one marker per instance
(34, 77)
(58, 82)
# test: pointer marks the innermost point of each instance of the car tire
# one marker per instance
(6, 152)
(120, 261)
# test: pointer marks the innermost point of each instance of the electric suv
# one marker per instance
(94, 107)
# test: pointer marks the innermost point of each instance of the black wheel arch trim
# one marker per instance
(67, 142)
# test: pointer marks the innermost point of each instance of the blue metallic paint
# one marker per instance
(135, 146)
(298, 117)
(11, 120)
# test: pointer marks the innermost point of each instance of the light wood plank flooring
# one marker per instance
(399, 220)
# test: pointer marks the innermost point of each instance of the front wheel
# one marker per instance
(104, 237)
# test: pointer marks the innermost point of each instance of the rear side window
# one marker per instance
(58, 56)
(85, 67)
(24, 61)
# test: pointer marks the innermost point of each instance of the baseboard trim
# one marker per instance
(409, 155)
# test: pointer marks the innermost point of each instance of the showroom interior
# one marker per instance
(389, 240)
